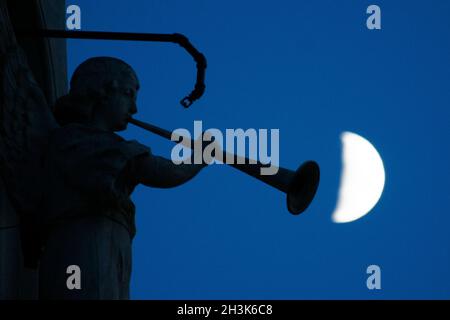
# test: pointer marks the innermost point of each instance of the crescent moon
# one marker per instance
(362, 179)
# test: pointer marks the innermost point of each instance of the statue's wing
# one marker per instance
(25, 122)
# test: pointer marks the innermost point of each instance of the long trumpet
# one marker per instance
(300, 186)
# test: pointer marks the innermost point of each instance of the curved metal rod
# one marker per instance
(177, 38)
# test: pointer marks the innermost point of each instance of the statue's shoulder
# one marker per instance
(76, 142)
(78, 134)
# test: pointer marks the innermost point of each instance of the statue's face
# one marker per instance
(121, 104)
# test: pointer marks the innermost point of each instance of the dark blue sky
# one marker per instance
(313, 70)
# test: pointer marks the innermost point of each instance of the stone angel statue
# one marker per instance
(69, 175)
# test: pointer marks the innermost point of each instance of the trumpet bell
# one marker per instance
(302, 187)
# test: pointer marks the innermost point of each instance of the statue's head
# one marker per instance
(102, 92)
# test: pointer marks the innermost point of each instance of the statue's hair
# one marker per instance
(90, 84)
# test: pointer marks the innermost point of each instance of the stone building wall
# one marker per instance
(47, 59)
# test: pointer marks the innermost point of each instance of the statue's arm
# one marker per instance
(159, 172)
